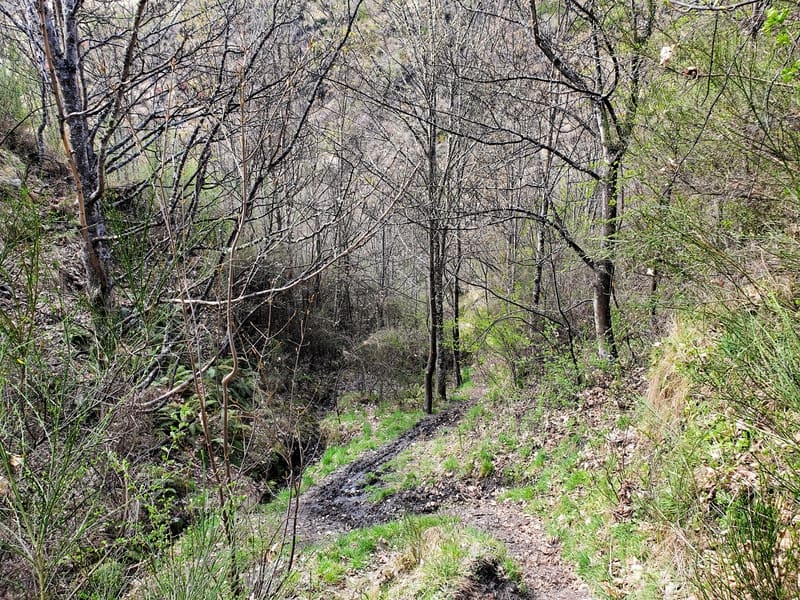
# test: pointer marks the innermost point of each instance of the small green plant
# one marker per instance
(485, 460)
(472, 418)
(522, 494)
(194, 569)
(17, 89)
(48, 514)
(451, 464)
(106, 582)
(756, 555)
(180, 419)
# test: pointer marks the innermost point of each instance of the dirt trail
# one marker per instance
(545, 574)
(339, 503)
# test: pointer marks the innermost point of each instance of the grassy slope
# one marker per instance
(553, 454)
(565, 454)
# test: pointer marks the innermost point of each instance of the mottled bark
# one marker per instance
(61, 42)
(604, 265)
(603, 286)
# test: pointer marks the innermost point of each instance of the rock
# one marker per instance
(10, 183)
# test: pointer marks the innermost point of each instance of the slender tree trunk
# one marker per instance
(512, 244)
(544, 207)
(546, 191)
(434, 226)
(63, 61)
(381, 302)
(345, 300)
(604, 276)
(604, 266)
(457, 315)
(430, 368)
(540, 242)
(441, 355)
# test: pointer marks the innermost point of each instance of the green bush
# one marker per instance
(756, 554)
(741, 437)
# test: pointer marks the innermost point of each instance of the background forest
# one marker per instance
(242, 242)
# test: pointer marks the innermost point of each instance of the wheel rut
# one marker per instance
(340, 503)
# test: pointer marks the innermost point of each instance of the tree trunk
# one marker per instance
(430, 368)
(603, 286)
(63, 61)
(441, 355)
(604, 266)
(540, 240)
(382, 292)
(434, 235)
(457, 315)
(544, 207)
(512, 244)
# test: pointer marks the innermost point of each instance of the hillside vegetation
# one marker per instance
(399, 299)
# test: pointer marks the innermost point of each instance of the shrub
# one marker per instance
(390, 359)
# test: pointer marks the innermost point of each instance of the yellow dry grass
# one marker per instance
(668, 389)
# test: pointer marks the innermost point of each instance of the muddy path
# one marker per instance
(340, 503)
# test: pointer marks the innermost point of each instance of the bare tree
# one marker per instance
(578, 109)
(612, 90)
(413, 85)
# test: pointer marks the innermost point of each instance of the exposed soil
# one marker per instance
(544, 573)
(488, 581)
(340, 503)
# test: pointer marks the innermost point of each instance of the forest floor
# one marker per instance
(341, 502)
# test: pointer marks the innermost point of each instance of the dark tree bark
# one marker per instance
(441, 354)
(604, 265)
(541, 232)
(61, 43)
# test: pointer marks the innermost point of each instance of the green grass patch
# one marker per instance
(521, 494)
(386, 425)
(416, 557)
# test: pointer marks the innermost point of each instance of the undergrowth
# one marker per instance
(740, 453)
